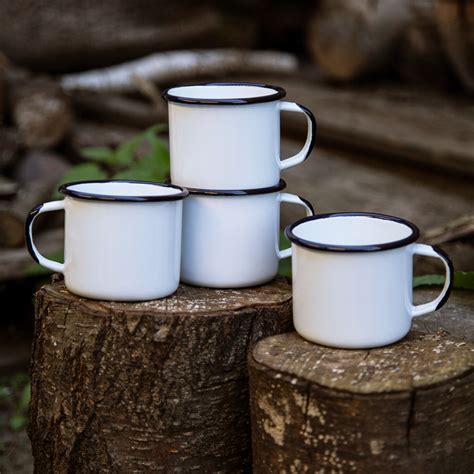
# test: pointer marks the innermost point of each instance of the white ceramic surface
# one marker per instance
(352, 279)
(227, 136)
(122, 239)
(232, 241)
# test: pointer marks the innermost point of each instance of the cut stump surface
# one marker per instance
(407, 407)
(156, 386)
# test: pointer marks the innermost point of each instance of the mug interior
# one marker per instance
(353, 232)
(123, 190)
(224, 92)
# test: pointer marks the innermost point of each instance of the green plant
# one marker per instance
(462, 280)
(14, 399)
(144, 157)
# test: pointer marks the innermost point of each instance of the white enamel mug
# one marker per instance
(231, 238)
(227, 135)
(122, 239)
(352, 278)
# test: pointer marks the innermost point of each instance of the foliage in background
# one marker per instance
(144, 157)
(14, 400)
(462, 280)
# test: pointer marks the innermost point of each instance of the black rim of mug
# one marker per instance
(64, 189)
(278, 93)
(353, 248)
(237, 192)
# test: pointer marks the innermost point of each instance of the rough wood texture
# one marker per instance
(154, 386)
(407, 407)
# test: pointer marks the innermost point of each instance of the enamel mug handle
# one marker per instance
(310, 136)
(432, 251)
(34, 213)
(293, 199)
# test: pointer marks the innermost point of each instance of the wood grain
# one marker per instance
(158, 386)
(402, 408)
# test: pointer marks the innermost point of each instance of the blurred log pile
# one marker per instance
(47, 120)
(424, 41)
(97, 82)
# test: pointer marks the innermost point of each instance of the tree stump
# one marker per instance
(158, 386)
(405, 408)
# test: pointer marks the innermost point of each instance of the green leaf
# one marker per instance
(125, 154)
(82, 172)
(5, 392)
(101, 154)
(17, 422)
(462, 280)
(428, 280)
(139, 173)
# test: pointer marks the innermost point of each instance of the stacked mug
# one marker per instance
(218, 225)
(133, 241)
(225, 149)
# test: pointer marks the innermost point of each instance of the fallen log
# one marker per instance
(37, 175)
(117, 109)
(41, 112)
(455, 22)
(51, 39)
(349, 39)
(159, 386)
(176, 66)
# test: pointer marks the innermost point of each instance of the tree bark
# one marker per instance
(403, 408)
(159, 386)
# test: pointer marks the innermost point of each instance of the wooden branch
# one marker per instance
(159, 386)
(176, 66)
(42, 113)
(38, 174)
